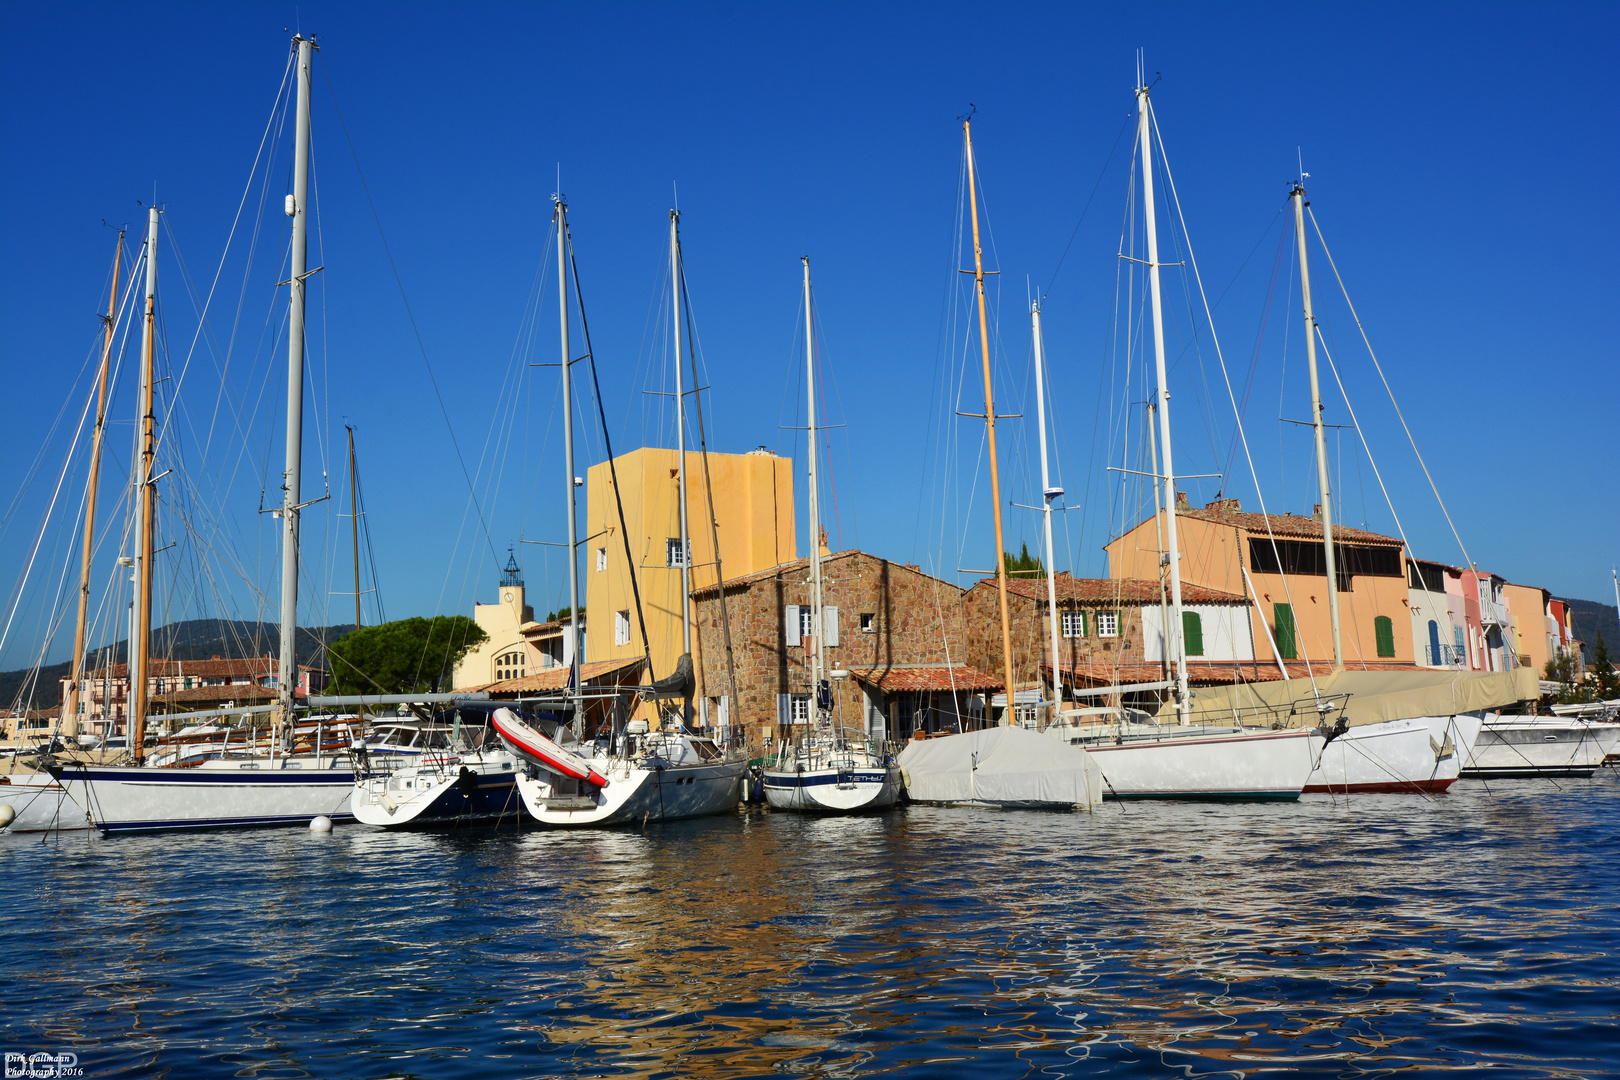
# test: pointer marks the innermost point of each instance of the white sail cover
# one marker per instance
(1003, 766)
(1373, 696)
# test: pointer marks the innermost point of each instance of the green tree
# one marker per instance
(1026, 565)
(1571, 690)
(1602, 670)
(403, 657)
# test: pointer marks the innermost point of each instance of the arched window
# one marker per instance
(1384, 631)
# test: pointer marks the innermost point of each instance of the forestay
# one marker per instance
(1004, 766)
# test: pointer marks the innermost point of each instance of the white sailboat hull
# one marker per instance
(634, 795)
(1421, 754)
(1540, 746)
(447, 794)
(224, 794)
(833, 791)
(1243, 765)
(40, 804)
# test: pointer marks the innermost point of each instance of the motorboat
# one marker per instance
(1540, 746)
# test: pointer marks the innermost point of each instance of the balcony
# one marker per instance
(1446, 656)
(1492, 613)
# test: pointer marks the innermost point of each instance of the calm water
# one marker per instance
(1342, 938)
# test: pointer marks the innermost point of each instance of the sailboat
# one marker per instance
(833, 769)
(632, 775)
(1182, 760)
(1006, 766)
(275, 787)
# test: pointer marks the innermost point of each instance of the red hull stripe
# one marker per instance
(1393, 787)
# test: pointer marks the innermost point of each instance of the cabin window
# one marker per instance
(1074, 624)
(868, 623)
(1107, 624)
(1192, 633)
(601, 559)
(621, 627)
(1384, 631)
(675, 552)
(1283, 627)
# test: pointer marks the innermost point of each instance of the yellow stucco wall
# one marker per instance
(1213, 554)
(502, 621)
(1529, 611)
(753, 504)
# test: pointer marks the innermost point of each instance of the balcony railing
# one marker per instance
(1446, 656)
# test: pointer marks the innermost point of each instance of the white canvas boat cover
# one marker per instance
(1373, 696)
(1006, 766)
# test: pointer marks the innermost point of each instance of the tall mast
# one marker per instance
(1298, 197)
(1173, 631)
(354, 532)
(70, 708)
(1048, 493)
(292, 500)
(990, 429)
(680, 429)
(1158, 532)
(817, 620)
(561, 216)
(140, 641)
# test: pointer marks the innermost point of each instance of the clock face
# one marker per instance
(507, 596)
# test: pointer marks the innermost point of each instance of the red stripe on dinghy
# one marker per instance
(533, 744)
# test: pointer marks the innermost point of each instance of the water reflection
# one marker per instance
(1373, 934)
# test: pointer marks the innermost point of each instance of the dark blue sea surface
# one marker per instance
(1338, 937)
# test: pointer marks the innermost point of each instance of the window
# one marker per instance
(799, 711)
(867, 623)
(621, 627)
(1287, 637)
(509, 665)
(1192, 634)
(1107, 624)
(601, 559)
(675, 554)
(1074, 624)
(1384, 631)
(1461, 642)
(807, 626)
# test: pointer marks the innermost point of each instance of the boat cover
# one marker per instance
(1009, 766)
(1374, 696)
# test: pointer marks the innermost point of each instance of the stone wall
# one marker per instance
(915, 619)
(1030, 633)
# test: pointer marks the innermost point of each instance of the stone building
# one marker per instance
(900, 634)
(1110, 630)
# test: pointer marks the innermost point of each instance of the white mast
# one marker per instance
(1298, 197)
(817, 629)
(680, 430)
(291, 505)
(1173, 631)
(141, 603)
(561, 214)
(1048, 493)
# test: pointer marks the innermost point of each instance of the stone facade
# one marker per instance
(1030, 632)
(881, 616)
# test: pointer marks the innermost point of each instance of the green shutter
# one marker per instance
(1287, 637)
(1384, 631)
(1192, 633)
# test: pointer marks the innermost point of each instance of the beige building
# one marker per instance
(1535, 632)
(753, 504)
(1285, 560)
(508, 653)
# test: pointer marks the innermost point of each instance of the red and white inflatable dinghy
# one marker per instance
(528, 742)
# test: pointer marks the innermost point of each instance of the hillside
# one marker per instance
(194, 639)
(1589, 617)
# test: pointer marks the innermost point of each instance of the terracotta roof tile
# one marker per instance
(1206, 672)
(1105, 591)
(926, 677)
(556, 678)
(1291, 526)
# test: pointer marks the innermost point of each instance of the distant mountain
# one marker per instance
(195, 639)
(1588, 617)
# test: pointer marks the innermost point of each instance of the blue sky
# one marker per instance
(1459, 157)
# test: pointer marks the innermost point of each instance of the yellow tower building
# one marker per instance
(753, 506)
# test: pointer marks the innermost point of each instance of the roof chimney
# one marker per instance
(1181, 501)
(1316, 513)
(1224, 505)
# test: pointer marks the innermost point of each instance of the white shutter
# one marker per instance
(790, 623)
(829, 615)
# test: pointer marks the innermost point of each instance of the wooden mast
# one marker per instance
(70, 708)
(990, 430)
(139, 647)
